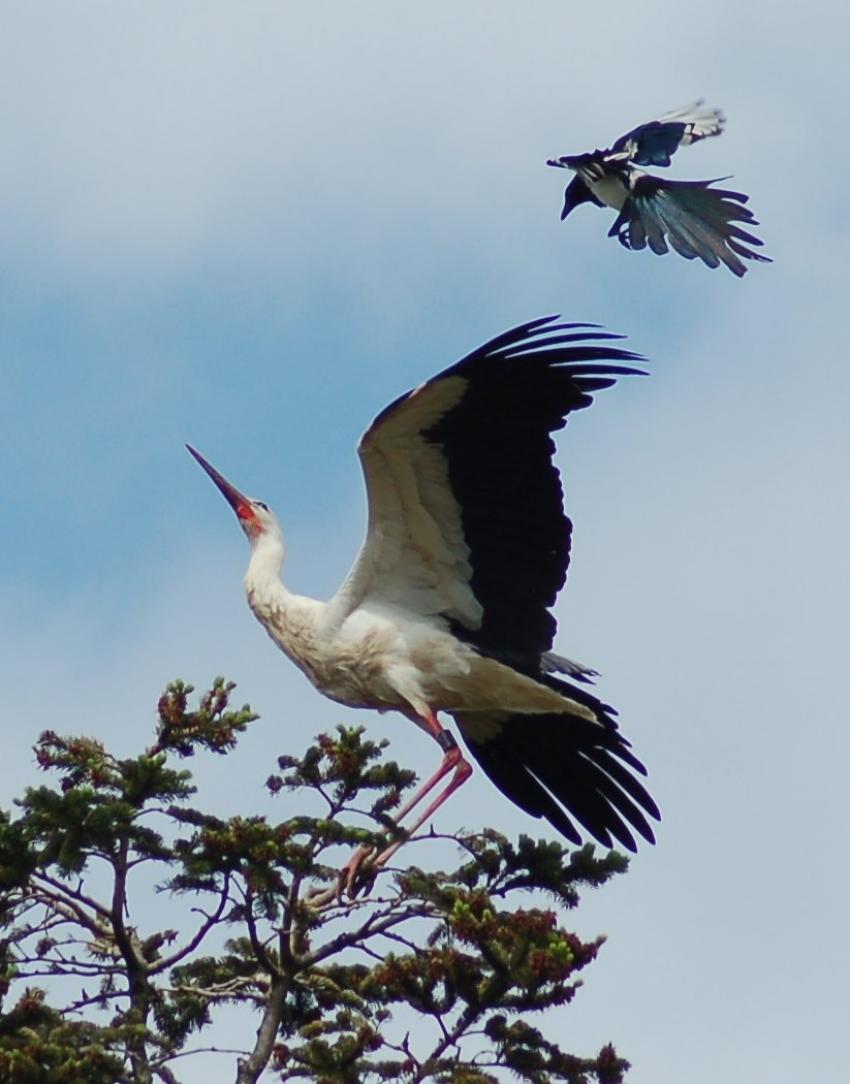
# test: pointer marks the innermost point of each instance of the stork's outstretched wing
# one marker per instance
(466, 519)
(654, 143)
(698, 221)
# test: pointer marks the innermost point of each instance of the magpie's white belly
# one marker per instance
(610, 190)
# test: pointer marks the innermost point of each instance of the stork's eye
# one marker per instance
(262, 504)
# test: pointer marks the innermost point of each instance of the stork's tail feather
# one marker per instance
(698, 221)
(552, 663)
(565, 767)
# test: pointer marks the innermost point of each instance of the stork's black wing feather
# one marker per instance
(498, 449)
(697, 220)
(566, 768)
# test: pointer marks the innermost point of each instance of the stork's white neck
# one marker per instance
(291, 620)
(262, 577)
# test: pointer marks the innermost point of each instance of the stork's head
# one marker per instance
(254, 516)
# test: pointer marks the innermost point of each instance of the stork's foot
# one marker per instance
(359, 872)
(317, 899)
(355, 877)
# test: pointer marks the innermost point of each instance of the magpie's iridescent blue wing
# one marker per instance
(654, 143)
(698, 221)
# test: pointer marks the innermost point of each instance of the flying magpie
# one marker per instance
(697, 220)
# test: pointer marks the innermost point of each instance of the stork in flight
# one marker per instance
(697, 220)
(447, 607)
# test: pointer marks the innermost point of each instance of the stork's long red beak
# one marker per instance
(237, 501)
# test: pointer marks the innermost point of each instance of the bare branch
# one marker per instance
(450, 1039)
(72, 912)
(236, 988)
(373, 926)
(71, 902)
(95, 999)
(157, 1064)
(165, 962)
(258, 947)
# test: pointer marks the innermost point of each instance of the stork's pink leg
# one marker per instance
(453, 760)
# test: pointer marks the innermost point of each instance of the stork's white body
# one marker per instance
(380, 656)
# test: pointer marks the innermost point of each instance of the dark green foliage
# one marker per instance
(88, 994)
(38, 1047)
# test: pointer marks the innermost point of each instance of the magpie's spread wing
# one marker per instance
(698, 221)
(654, 143)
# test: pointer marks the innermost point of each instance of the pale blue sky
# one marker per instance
(251, 226)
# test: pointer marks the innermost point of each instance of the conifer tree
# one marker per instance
(423, 975)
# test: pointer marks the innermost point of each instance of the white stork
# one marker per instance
(447, 605)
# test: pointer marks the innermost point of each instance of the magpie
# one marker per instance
(698, 221)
